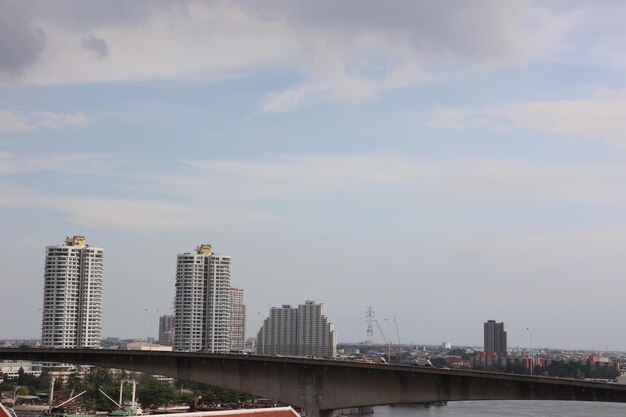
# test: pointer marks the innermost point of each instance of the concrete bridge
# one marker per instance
(321, 386)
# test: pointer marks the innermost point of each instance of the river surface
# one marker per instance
(505, 409)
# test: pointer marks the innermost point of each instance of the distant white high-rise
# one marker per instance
(301, 331)
(202, 302)
(316, 335)
(72, 295)
(237, 320)
(278, 334)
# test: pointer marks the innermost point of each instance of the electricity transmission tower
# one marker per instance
(370, 330)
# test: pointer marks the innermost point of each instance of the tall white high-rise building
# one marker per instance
(72, 295)
(202, 301)
(302, 331)
(237, 320)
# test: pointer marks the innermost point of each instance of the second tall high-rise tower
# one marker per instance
(202, 302)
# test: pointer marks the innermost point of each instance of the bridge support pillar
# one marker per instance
(315, 412)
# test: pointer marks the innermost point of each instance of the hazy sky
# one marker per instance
(444, 162)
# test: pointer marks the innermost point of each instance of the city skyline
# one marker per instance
(443, 162)
(78, 266)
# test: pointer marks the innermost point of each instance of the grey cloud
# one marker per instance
(95, 45)
(351, 48)
(21, 43)
(84, 15)
(477, 30)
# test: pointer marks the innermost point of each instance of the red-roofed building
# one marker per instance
(244, 412)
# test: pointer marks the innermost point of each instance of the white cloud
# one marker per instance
(601, 117)
(545, 29)
(14, 122)
(447, 118)
(347, 52)
(474, 182)
(291, 99)
(83, 163)
(124, 214)
(57, 121)
(224, 192)
(205, 40)
(287, 177)
(11, 121)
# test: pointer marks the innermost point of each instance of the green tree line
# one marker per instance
(151, 392)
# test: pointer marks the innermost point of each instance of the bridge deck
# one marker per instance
(318, 384)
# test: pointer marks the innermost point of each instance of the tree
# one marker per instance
(438, 361)
(9, 386)
(43, 380)
(74, 380)
(211, 394)
(152, 392)
(461, 352)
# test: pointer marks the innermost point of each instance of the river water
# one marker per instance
(505, 409)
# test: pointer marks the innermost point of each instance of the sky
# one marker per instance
(445, 163)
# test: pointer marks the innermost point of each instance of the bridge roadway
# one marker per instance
(321, 386)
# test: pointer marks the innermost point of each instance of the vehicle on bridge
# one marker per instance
(421, 362)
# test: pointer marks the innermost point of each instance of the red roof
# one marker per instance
(242, 412)
(251, 412)
(4, 412)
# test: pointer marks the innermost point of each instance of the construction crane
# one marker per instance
(388, 342)
(397, 332)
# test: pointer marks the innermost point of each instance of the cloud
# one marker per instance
(282, 189)
(291, 99)
(355, 50)
(124, 214)
(474, 182)
(164, 39)
(347, 52)
(288, 177)
(21, 42)
(299, 179)
(96, 45)
(17, 122)
(13, 122)
(601, 117)
(73, 163)
(447, 118)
